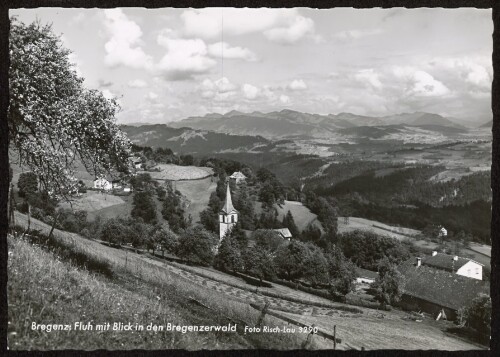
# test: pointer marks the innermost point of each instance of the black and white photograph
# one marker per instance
(249, 179)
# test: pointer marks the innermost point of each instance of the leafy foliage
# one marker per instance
(144, 207)
(53, 120)
(197, 245)
(389, 284)
(27, 184)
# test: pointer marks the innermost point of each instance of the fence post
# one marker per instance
(334, 337)
(262, 314)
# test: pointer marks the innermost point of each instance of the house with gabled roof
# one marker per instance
(238, 177)
(455, 264)
(434, 290)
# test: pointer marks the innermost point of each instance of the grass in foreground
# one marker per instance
(43, 288)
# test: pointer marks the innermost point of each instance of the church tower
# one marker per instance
(228, 216)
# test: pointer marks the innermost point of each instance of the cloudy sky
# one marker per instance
(168, 64)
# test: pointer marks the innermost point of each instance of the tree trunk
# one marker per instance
(53, 225)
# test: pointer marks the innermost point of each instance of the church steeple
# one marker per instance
(228, 216)
(228, 205)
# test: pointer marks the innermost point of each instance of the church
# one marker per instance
(228, 217)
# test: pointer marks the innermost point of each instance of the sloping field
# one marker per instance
(372, 332)
(355, 223)
(370, 329)
(93, 201)
(301, 214)
(197, 192)
(176, 172)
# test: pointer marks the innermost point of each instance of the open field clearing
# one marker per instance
(197, 192)
(301, 214)
(176, 172)
(364, 224)
(93, 201)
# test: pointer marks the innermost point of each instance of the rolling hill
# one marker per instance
(189, 140)
(290, 123)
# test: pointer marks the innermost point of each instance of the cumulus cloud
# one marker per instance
(279, 25)
(297, 84)
(224, 50)
(122, 48)
(425, 85)
(184, 58)
(420, 83)
(108, 94)
(370, 77)
(249, 91)
(219, 89)
(137, 83)
(284, 99)
(299, 28)
(356, 34)
(152, 96)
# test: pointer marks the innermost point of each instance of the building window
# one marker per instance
(232, 219)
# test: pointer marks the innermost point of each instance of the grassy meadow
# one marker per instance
(45, 288)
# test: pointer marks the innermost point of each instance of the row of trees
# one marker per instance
(270, 256)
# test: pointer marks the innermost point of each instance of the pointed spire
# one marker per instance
(228, 205)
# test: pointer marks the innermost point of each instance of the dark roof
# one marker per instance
(438, 286)
(283, 232)
(363, 273)
(444, 261)
(228, 205)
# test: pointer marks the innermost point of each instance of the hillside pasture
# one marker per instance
(92, 201)
(170, 172)
(301, 214)
(358, 223)
(371, 329)
(197, 193)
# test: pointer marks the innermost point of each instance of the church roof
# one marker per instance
(228, 205)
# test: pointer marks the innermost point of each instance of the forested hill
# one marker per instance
(186, 140)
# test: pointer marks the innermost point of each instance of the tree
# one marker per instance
(115, 232)
(289, 222)
(290, 260)
(144, 207)
(197, 245)
(27, 184)
(166, 238)
(389, 284)
(267, 239)
(54, 121)
(342, 273)
(228, 257)
(315, 265)
(478, 315)
(259, 263)
(173, 212)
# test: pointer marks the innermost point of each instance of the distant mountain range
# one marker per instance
(290, 123)
(190, 140)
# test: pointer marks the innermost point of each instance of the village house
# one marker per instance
(437, 291)
(238, 177)
(107, 183)
(454, 264)
(136, 162)
(284, 233)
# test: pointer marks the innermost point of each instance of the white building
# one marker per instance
(102, 184)
(455, 264)
(238, 177)
(228, 216)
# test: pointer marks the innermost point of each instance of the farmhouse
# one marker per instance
(284, 233)
(107, 183)
(433, 290)
(136, 161)
(238, 177)
(454, 264)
